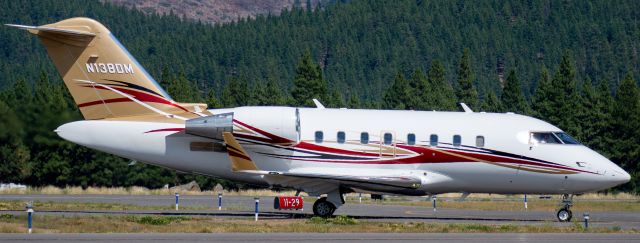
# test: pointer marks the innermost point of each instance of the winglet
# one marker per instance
(240, 160)
(318, 104)
(466, 108)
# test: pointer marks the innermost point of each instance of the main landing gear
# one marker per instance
(323, 208)
(564, 213)
(326, 206)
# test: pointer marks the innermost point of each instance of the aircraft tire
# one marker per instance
(323, 208)
(564, 215)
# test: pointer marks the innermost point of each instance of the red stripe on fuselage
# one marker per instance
(272, 138)
(325, 149)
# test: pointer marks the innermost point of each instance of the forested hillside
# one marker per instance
(572, 63)
(215, 11)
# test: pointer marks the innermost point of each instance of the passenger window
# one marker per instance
(341, 137)
(544, 138)
(364, 138)
(457, 140)
(480, 141)
(388, 138)
(433, 140)
(319, 136)
(411, 139)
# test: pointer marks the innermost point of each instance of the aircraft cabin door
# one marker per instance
(387, 143)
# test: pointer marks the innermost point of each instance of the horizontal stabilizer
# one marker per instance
(35, 29)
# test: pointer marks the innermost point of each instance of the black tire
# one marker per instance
(564, 215)
(323, 208)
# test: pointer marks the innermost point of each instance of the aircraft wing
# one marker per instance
(319, 180)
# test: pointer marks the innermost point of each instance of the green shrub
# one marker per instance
(344, 220)
(6, 216)
(318, 220)
(155, 220)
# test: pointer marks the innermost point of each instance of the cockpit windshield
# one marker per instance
(544, 138)
(566, 139)
(552, 138)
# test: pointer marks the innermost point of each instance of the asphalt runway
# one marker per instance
(242, 207)
(322, 237)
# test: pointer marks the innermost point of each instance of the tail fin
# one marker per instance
(101, 75)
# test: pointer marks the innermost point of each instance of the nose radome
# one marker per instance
(618, 176)
(624, 177)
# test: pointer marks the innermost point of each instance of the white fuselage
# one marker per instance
(504, 160)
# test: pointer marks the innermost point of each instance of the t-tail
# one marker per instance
(101, 75)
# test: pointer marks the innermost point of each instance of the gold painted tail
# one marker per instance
(103, 78)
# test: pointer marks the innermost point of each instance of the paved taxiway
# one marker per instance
(323, 237)
(242, 206)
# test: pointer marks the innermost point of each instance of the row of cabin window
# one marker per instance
(388, 139)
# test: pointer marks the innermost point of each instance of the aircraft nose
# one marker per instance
(618, 176)
(624, 177)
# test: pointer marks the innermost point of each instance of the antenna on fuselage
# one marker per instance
(318, 104)
(465, 108)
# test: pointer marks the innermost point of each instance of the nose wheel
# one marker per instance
(564, 214)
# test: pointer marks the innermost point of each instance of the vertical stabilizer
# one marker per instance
(101, 75)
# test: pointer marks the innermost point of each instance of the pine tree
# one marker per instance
(601, 139)
(417, 95)
(491, 103)
(268, 94)
(565, 98)
(14, 156)
(308, 83)
(259, 95)
(595, 117)
(441, 94)
(236, 93)
(626, 125)
(274, 92)
(541, 101)
(466, 92)
(181, 89)
(512, 98)
(212, 101)
(354, 102)
(336, 100)
(395, 96)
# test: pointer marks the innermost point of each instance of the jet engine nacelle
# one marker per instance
(210, 126)
(280, 122)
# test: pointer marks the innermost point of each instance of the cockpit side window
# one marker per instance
(566, 139)
(544, 138)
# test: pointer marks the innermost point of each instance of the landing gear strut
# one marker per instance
(323, 208)
(564, 213)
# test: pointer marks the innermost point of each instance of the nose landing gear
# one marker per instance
(564, 213)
